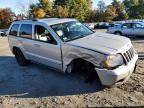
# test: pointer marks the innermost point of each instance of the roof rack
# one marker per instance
(26, 19)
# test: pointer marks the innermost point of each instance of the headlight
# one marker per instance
(113, 61)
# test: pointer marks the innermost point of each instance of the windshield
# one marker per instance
(71, 30)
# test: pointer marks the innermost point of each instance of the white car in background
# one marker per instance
(128, 29)
(1, 34)
(90, 25)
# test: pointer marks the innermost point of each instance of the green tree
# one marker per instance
(137, 12)
(101, 6)
(121, 9)
(91, 16)
(41, 9)
(141, 2)
(134, 2)
(105, 13)
(46, 5)
(61, 12)
(129, 3)
(32, 9)
(39, 13)
(135, 9)
(63, 3)
(126, 16)
(110, 13)
(79, 9)
(116, 3)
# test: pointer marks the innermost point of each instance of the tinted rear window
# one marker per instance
(14, 30)
(26, 31)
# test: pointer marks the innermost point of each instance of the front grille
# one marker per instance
(128, 55)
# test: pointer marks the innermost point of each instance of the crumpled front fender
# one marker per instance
(71, 53)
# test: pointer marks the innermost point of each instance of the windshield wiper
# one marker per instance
(77, 37)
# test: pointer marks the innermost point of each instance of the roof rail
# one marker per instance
(25, 19)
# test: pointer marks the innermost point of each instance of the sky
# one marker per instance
(14, 4)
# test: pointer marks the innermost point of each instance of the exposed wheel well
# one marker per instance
(85, 67)
(80, 64)
(82, 61)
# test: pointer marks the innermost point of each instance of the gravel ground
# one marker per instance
(40, 87)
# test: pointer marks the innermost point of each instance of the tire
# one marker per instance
(21, 60)
(1, 35)
(118, 33)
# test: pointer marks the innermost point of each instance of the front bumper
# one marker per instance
(111, 77)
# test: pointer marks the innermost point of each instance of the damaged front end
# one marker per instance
(109, 68)
(72, 53)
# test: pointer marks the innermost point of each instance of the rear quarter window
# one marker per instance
(14, 30)
(26, 31)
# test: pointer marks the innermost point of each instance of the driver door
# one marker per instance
(46, 49)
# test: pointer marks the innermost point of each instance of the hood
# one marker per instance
(102, 42)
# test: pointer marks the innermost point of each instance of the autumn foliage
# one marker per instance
(39, 13)
(60, 12)
(112, 9)
(5, 18)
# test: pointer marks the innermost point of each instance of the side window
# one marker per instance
(127, 26)
(137, 25)
(26, 31)
(14, 30)
(42, 34)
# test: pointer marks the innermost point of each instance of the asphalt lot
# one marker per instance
(37, 85)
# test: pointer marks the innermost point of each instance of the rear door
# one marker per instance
(12, 35)
(127, 29)
(25, 38)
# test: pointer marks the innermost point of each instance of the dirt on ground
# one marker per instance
(37, 86)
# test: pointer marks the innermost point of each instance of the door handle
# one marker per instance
(37, 45)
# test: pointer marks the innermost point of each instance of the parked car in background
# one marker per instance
(3, 32)
(90, 25)
(114, 24)
(102, 25)
(68, 46)
(128, 29)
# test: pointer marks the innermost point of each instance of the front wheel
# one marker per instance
(21, 60)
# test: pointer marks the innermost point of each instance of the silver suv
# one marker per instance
(67, 45)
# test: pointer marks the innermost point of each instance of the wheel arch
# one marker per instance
(118, 32)
(79, 60)
(14, 48)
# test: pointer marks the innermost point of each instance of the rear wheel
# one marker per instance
(118, 33)
(21, 60)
